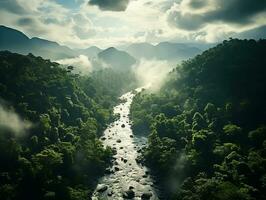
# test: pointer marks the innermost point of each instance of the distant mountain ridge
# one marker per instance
(16, 41)
(91, 52)
(163, 51)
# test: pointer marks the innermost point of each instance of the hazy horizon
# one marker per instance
(104, 23)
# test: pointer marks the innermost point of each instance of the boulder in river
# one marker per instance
(131, 136)
(146, 195)
(108, 171)
(118, 141)
(138, 160)
(123, 126)
(144, 176)
(117, 169)
(101, 188)
(129, 194)
(110, 193)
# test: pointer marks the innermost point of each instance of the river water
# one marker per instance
(126, 179)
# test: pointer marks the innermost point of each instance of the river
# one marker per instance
(126, 179)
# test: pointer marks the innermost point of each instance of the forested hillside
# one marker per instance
(49, 124)
(207, 125)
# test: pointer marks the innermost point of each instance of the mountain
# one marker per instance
(49, 49)
(16, 41)
(209, 117)
(141, 50)
(116, 59)
(91, 52)
(11, 39)
(163, 51)
(169, 51)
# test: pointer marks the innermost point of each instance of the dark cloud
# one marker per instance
(31, 25)
(233, 11)
(187, 21)
(111, 5)
(11, 6)
(239, 11)
(26, 21)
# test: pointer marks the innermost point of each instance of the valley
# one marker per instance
(132, 100)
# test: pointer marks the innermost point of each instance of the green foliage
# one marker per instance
(60, 157)
(210, 112)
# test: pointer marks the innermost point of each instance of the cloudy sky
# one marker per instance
(81, 23)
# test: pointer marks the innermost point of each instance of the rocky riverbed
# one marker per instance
(127, 178)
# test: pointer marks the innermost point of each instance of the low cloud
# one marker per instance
(152, 73)
(82, 65)
(177, 175)
(11, 121)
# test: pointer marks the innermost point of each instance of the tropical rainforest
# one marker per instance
(207, 125)
(54, 152)
(132, 99)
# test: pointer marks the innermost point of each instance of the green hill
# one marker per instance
(207, 125)
(50, 121)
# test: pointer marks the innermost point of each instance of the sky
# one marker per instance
(104, 23)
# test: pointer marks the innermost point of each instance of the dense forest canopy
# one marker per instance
(207, 125)
(50, 123)
(132, 99)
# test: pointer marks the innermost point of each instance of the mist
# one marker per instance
(11, 121)
(177, 175)
(152, 73)
(82, 65)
